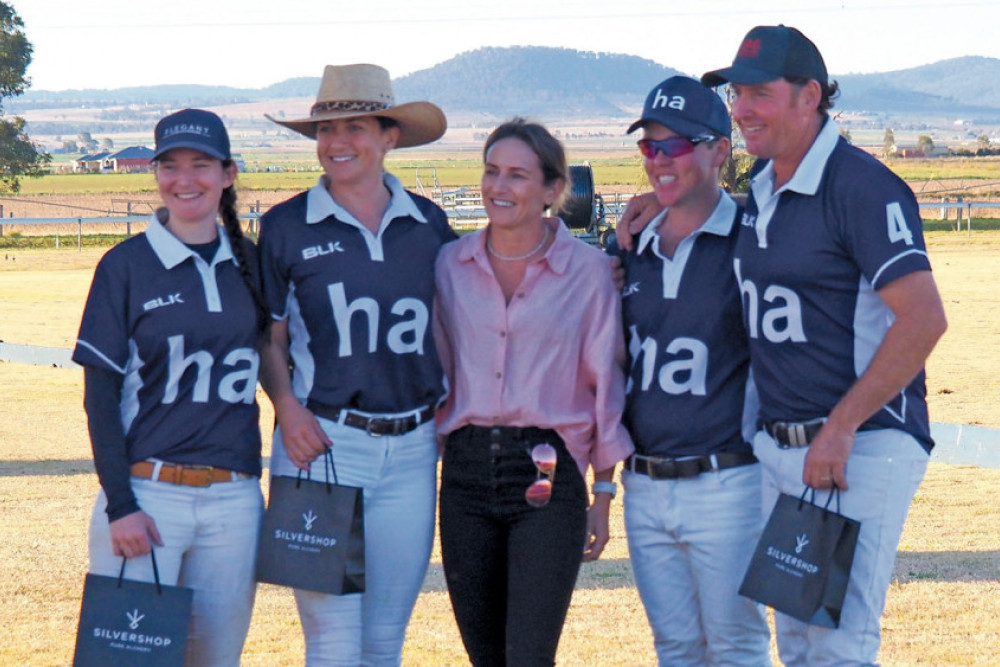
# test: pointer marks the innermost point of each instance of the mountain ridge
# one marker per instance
(547, 81)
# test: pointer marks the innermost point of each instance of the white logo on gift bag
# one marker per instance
(800, 542)
(134, 617)
(309, 518)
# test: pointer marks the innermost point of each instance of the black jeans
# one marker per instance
(510, 567)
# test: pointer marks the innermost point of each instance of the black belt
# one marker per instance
(790, 435)
(526, 433)
(658, 468)
(374, 426)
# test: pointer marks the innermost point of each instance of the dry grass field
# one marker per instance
(944, 604)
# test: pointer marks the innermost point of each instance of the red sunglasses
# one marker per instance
(672, 147)
(544, 457)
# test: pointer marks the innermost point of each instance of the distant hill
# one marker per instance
(537, 81)
(562, 83)
(967, 86)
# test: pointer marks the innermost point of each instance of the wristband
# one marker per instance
(605, 487)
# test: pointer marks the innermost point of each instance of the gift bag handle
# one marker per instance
(327, 467)
(156, 572)
(835, 491)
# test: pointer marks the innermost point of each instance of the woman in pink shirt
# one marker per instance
(528, 328)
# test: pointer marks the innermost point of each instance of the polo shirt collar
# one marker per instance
(320, 204)
(171, 251)
(720, 222)
(809, 173)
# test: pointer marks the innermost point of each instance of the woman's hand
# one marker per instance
(131, 535)
(304, 438)
(638, 213)
(597, 527)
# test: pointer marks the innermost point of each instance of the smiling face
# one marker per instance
(353, 149)
(191, 185)
(691, 177)
(515, 194)
(778, 119)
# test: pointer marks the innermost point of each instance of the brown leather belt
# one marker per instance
(658, 468)
(374, 426)
(185, 475)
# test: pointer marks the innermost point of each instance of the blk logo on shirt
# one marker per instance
(160, 301)
(315, 251)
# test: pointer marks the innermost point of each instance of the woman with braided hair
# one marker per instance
(169, 345)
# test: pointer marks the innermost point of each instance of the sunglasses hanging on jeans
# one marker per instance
(540, 492)
(672, 147)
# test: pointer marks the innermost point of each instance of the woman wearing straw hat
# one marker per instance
(168, 343)
(529, 331)
(349, 277)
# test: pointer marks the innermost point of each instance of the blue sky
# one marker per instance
(254, 43)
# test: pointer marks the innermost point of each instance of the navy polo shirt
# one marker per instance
(809, 260)
(358, 304)
(688, 355)
(182, 333)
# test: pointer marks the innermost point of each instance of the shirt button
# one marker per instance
(498, 375)
(520, 295)
(503, 334)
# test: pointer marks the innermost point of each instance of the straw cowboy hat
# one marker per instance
(353, 91)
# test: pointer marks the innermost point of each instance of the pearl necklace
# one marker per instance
(517, 258)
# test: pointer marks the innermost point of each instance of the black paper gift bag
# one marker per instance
(313, 535)
(124, 622)
(803, 560)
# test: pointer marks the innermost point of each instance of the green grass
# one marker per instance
(300, 172)
(983, 168)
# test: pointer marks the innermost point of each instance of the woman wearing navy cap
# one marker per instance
(693, 487)
(169, 344)
(348, 272)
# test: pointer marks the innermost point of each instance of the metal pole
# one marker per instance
(970, 219)
(79, 234)
(128, 223)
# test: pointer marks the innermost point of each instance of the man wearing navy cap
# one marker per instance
(842, 312)
(693, 487)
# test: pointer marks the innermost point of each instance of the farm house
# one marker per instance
(89, 163)
(128, 160)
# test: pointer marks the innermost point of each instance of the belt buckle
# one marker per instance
(780, 432)
(375, 425)
(202, 482)
(795, 433)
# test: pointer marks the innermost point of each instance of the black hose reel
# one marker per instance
(579, 210)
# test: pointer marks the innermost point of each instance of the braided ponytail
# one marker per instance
(231, 221)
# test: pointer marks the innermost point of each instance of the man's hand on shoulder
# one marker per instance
(640, 210)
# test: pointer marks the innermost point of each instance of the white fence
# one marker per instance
(469, 210)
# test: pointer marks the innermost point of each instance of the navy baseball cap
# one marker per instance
(770, 52)
(192, 128)
(685, 106)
